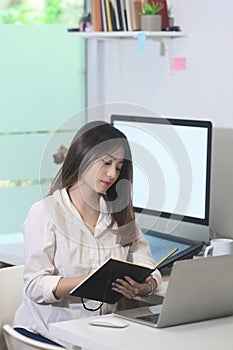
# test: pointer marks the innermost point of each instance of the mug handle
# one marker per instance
(207, 250)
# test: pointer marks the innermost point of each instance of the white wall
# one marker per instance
(119, 73)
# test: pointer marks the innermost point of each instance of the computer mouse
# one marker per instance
(108, 321)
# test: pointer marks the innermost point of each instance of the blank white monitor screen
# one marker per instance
(171, 165)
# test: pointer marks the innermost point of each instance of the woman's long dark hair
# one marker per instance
(92, 141)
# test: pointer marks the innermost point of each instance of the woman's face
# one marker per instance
(102, 174)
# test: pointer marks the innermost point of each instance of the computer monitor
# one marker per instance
(172, 168)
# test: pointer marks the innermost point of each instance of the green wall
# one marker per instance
(42, 84)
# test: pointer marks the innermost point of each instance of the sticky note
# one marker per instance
(179, 63)
(141, 41)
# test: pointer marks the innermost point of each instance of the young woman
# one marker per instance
(86, 218)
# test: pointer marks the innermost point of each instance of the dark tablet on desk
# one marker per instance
(162, 243)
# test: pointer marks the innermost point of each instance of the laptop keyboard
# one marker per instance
(153, 318)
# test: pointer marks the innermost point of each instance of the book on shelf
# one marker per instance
(137, 14)
(96, 16)
(116, 15)
(98, 285)
(108, 15)
(104, 16)
(113, 15)
(121, 14)
(129, 16)
(133, 16)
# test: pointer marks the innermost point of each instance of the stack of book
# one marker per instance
(116, 15)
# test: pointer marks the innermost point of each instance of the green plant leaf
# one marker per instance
(152, 9)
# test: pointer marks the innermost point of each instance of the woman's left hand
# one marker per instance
(131, 289)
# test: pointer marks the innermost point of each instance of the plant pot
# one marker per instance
(151, 23)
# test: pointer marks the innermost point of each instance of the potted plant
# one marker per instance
(151, 19)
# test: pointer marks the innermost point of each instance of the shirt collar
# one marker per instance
(62, 198)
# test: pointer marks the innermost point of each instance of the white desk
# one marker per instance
(213, 334)
(11, 248)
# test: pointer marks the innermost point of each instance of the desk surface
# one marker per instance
(11, 248)
(213, 334)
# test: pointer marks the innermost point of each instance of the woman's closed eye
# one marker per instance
(110, 163)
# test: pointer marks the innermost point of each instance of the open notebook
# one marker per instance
(98, 285)
(198, 289)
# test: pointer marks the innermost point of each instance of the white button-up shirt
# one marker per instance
(59, 244)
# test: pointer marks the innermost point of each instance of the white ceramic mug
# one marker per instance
(219, 246)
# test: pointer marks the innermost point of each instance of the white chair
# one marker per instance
(17, 341)
(11, 296)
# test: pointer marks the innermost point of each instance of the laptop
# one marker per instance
(198, 289)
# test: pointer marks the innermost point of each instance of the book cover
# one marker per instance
(108, 16)
(129, 18)
(104, 16)
(121, 11)
(98, 286)
(125, 14)
(96, 15)
(137, 5)
(115, 7)
(113, 15)
(133, 15)
(120, 15)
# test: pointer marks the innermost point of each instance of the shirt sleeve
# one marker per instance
(39, 249)
(140, 253)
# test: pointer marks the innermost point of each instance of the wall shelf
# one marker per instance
(165, 39)
(122, 35)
